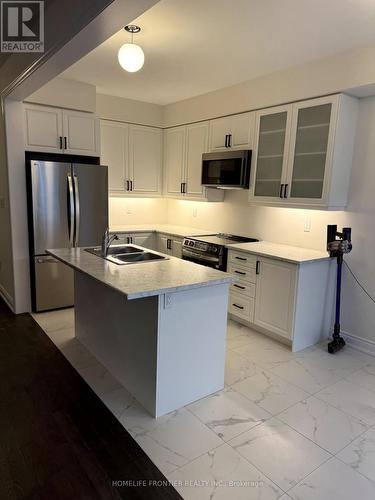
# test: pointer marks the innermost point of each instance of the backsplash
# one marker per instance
(124, 211)
(304, 228)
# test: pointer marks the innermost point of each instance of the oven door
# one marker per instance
(201, 258)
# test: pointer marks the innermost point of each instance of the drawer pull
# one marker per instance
(238, 307)
(241, 258)
(240, 272)
(240, 287)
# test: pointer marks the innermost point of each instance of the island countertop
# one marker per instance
(142, 279)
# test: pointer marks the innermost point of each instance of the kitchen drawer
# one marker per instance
(242, 272)
(243, 287)
(241, 306)
(242, 259)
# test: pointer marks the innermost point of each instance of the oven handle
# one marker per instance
(200, 256)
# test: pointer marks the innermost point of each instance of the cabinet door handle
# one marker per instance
(286, 190)
(240, 272)
(131, 185)
(185, 187)
(61, 142)
(65, 143)
(238, 307)
(239, 286)
(169, 244)
(241, 258)
(281, 190)
(257, 269)
(226, 140)
(181, 188)
(229, 140)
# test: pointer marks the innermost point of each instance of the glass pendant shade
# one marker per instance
(131, 57)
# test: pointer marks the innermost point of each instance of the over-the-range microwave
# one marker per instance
(226, 169)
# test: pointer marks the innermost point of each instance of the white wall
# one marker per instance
(66, 94)
(137, 211)
(287, 225)
(349, 70)
(126, 110)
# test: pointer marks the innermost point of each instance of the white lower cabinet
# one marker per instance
(146, 240)
(293, 302)
(170, 245)
(275, 296)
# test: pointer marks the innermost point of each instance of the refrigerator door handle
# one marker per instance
(71, 210)
(77, 211)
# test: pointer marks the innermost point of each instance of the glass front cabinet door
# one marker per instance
(303, 156)
(311, 145)
(271, 153)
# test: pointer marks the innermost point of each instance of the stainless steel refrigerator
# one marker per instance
(68, 207)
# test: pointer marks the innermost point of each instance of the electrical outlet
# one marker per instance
(168, 302)
(129, 211)
(195, 212)
(307, 225)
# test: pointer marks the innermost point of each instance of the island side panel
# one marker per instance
(191, 345)
(121, 334)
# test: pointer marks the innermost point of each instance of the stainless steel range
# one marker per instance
(210, 250)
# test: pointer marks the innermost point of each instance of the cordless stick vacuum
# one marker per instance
(338, 244)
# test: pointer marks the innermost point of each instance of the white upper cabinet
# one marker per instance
(43, 129)
(196, 145)
(183, 149)
(145, 149)
(113, 139)
(234, 132)
(270, 156)
(174, 160)
(55, 130)
(133, 154)
(81, 133)
(304, 151)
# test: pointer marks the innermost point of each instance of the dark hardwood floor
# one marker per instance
(57, 439)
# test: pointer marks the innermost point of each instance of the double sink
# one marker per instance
(126, 254)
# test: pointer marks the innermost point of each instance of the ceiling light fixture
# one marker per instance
(131, 56)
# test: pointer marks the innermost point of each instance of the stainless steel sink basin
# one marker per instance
(139, 257)
(115, 250)
(126, 254)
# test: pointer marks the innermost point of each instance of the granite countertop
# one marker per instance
(142, 279)
(181, 231)
(295, 255)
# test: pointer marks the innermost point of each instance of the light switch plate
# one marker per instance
(307, 226)
(195, 212)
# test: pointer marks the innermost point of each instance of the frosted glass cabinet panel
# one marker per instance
(304, 153)
(310, 152)
(271, 152)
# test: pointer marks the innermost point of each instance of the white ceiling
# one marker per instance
(196, 46)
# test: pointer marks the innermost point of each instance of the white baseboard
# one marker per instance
(363, 345)
(7, 298)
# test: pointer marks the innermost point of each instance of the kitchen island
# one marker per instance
(159, 327)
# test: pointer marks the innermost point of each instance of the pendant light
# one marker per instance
(131, 56)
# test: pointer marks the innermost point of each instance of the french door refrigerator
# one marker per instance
(68, 207)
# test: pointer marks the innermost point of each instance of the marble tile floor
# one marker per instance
(286, 426)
